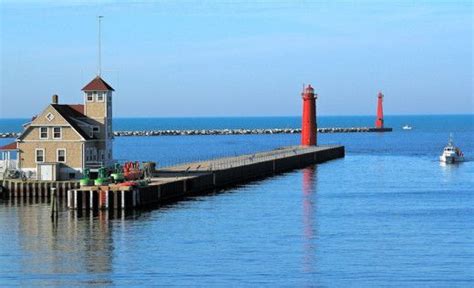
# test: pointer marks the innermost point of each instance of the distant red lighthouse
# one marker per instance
(379, 120)
(308, 130)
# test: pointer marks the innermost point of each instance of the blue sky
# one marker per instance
(240, 58)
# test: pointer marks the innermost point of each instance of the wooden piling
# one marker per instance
(54, 204)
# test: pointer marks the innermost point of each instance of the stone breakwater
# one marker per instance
(9, 135)
(228, 131)
(243, 131)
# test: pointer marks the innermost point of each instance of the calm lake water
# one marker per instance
(388, 214)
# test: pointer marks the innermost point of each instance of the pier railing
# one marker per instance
(7, 165)
(250, 159)
(231, 162)
(235, 161)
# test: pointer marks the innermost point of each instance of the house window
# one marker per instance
(39, 155)
(57, 133)
(88, 154)
(49, 117)
(43, 133)
(100, 97)
(94, 130)
(61, 155)
(90, 97)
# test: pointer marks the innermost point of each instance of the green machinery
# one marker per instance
(103, 179)
(86, 181)
(117, 175)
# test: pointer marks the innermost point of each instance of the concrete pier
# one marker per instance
(174, 183)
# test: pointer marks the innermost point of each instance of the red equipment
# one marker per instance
(308, 130)
(128, 183)
(131, 171)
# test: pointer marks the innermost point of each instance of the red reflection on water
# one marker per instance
(309, 178)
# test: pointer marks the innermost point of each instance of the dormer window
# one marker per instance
(100, 97)
(90, 97)
(95, 130)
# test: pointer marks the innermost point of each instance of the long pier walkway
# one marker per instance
(171, 184)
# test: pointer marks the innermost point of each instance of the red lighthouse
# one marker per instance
(379, 120)
(308, 130)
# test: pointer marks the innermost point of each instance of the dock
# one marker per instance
(170, 184)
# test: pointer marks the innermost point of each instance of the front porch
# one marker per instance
(8, 159)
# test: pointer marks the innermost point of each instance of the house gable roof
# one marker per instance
(78, 107)
(69, 112)
(98, 84)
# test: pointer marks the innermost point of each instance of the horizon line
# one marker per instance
(266, 116)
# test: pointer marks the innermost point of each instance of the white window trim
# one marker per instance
(60, 133)
(47, 133)
(103, 96)
(87, 97)
(49, 117)
(57, 155)
(36, 155)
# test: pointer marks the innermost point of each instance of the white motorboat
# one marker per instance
(407, 127)
(451, 154)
